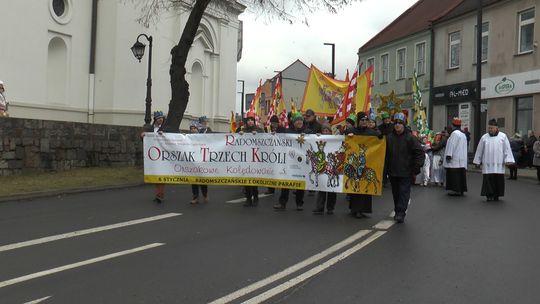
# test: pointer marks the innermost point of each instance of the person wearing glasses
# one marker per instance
(404, 158)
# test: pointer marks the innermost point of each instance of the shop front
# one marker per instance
(459, 100)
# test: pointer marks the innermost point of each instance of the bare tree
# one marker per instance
(287, 10)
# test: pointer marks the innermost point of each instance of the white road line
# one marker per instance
(250, 288)
(241, 200)
(85, 231)
(38, 300)
(384, 224)
(314, 271)
(75, 265)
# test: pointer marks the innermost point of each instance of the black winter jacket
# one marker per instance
(404, 154)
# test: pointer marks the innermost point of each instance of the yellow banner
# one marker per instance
(364, 163)
(323, 94)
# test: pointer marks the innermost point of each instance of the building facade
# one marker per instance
(71, 60)
(510, 67)
(400, 49)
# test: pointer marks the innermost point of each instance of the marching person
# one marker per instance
(194, 129)
(159, 189)
(536, 157)
(455, 160)
(386, 127)
(274, 128)
(297, 127)
(493, 152)
(323, 197)
(203, 125)
(405, 157)
(252, 192)
(437, 172)
(517, 146)
(360, 204)
(311, 122)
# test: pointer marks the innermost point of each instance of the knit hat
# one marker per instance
(351, 119)
(310, 112)
(194, 124)
(399, 116)
(385, 115)
(158, 114)
(361, 115)
(203, 119)
(326, 126)
(297, 116)
(274, 118)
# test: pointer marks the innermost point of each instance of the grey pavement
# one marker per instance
(449, 250)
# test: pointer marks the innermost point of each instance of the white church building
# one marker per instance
(70, 60)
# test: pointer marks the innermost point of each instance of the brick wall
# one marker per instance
(29, 145)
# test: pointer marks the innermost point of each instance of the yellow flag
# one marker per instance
(363, 164)
(293, 106)
(363, 90)
(323, 94)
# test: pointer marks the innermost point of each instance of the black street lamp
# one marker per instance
(138, 52)
(333, 58)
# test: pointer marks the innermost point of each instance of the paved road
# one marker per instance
(450, 250)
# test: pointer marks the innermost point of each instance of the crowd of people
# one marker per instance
(411, 159)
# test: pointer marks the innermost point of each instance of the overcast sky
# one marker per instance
(270, 47)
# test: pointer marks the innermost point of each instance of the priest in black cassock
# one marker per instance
(493, 153)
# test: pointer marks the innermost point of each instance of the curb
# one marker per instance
(41, 194)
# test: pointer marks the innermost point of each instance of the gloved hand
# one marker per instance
(380, 136)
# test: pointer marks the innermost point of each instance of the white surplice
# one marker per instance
(493, 153)
(456, 147)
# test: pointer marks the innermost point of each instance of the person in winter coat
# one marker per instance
(252, 192)
(297, 127)
(194, 129)
(360, 204)
(323, 197)
(536, 158)
(404, 157)
(517, 146)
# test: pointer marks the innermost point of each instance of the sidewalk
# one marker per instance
(522, 173)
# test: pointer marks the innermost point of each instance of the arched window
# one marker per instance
(57, 71)
(196, 88)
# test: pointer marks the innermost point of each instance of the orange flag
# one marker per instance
(293, 106)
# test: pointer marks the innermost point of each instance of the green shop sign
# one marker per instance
(505, 86)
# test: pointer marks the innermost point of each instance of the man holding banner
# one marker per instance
(298, 127)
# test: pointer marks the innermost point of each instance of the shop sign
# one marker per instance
(511, 85)
(505, 86)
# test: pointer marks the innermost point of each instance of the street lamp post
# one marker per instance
(138, 52)
(333, 58)
(242, 99)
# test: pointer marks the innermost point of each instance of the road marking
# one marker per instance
(38, 300)
(75, 265)
(250, 288)
(241, 200)
(85, 231)
(314, 271)
(384, 225)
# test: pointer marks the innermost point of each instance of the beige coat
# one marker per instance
(536, 149)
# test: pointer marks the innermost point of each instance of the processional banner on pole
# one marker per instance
(351, 164)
